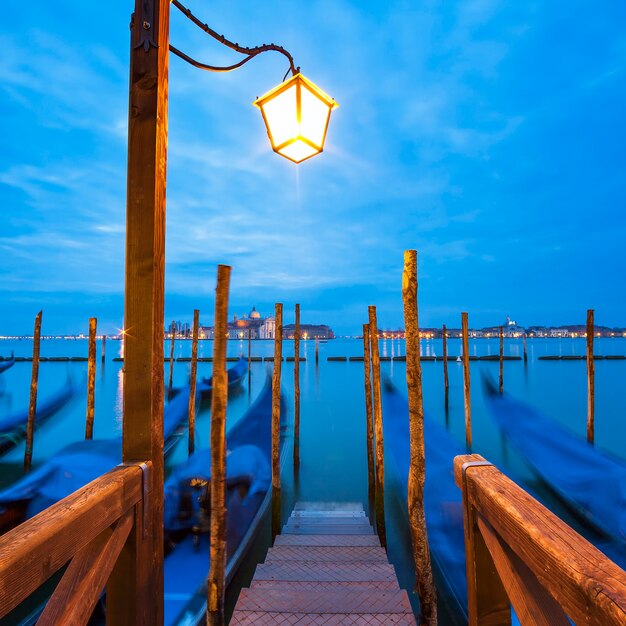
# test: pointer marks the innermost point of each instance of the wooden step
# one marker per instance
(260, 618)
(346, 586)
(325, 571)
(328, 529)
(368, 539)
(327, 506)
(324, 520)
(316, 602)
(326, 553)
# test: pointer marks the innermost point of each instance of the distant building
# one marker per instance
(309, 331)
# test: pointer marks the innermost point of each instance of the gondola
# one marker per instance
(13, 427)
(187, 498)
(236, 374)
(5, 365)
(592, 483)
(442, 498)
(76, 465)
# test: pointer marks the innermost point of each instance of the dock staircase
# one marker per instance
(327, 567)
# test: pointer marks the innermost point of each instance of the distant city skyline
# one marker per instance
(486, 134)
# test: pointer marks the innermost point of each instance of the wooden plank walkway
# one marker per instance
(327, 567)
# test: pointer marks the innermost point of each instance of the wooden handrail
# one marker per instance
(33, 551)
(517, 551)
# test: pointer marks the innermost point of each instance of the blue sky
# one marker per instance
(487, 134)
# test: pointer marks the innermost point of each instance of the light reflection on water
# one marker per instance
(333, 460)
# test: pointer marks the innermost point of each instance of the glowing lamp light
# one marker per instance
(296, 114)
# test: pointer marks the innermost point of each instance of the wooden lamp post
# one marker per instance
(141, 562)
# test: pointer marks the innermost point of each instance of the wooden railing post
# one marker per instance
(417, 467)
(278, 357)
(378, 429)
(219, 400)
(487, 601)
(32, 405)
(135, 590)
(91, 379)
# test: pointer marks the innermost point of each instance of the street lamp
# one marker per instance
(296, 112)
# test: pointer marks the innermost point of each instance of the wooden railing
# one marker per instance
(518, 553)
(86, 530)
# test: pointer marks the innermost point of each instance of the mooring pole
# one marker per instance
(172, 345)
(446, 384)
(466, 383)
(191, 410)
(590, 378)
(219, 399)
(369, 428)
(317, 350)
(91, 378)
(296, 389)
(501, 359)
(32, 405)
(278, 357)
(417, 470)
(249, 361)
(525, 352)
(378, 427)
(104, 348)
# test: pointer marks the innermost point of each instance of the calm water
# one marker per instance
(333, 460)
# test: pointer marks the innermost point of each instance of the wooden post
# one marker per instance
(278, 357)
(525, 352)
(296, 389)
(135, 588)
(249, 362)
(192, 384)
(501, 359)
(446, 384)
(219, 400)
(317, 350)
(369, 428)
(104, 348)
(378, 428)
(590, 378)
(466, 383)
(91, 378)
(172, 344)
(417, 469)
(32, 406)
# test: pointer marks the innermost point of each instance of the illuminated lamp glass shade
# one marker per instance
(296, 115)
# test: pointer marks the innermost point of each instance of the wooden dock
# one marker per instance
(327, 567)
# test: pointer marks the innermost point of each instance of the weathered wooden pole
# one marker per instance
(191, 413)
(104, 348)
(525, 352)
(446, 383)
(219, 399)
(91, 379)
(590, 378)
(369, 428)
(296, 389)
(417, 468)
(172, 345)
(278, 357)
(32, 405)
(249, 362)
(501, 359)
(135, 587)
(317, 350)
(378, 428)
(466, 383)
